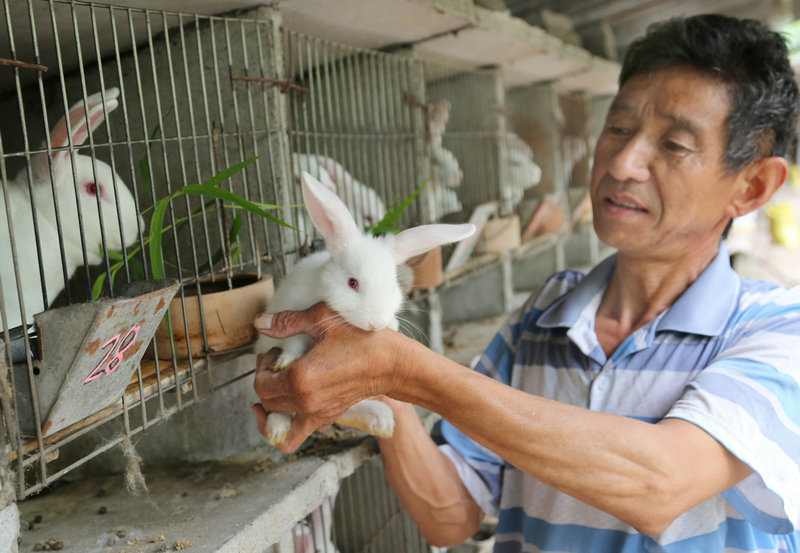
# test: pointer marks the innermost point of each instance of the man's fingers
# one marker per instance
(265, 361)
(261, 418)
(314, 321)
(302, 427)
(268, 384)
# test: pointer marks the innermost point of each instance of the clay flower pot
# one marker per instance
(500, 235)
(228, 316)
(427, 267)
(548, 218)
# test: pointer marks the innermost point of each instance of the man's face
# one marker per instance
(659, 189)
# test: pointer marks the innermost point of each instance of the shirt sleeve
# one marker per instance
(480, 469)
(748, 398)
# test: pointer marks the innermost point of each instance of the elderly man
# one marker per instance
(652, 404)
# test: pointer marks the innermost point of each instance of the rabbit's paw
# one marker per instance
(277, 428)
(372, 416)
(292, 349)
(284, 360)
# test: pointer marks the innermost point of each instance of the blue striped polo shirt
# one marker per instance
(725, 356)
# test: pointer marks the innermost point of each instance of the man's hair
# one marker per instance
(745, 55)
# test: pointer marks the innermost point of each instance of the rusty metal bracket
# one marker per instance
(283, 84)
(23, 65)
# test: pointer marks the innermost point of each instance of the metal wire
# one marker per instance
(197, 95)
(351, 114)
(368, 518)
(182, 118)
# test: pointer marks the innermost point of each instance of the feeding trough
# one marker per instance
(87, 354)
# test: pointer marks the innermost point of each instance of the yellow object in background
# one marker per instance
(794, 176)
(783, 224)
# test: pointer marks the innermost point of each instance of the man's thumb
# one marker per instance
(289, 323)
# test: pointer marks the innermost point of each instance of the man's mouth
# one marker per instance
(626, 205)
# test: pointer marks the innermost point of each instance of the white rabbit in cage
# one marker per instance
(446, 172)
(86, 190)
(523, 172)
(362, 201)
(357, 278)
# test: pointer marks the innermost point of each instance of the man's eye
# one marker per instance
(675, 147)
(617, 130)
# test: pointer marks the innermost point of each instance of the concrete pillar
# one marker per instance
(9, 528)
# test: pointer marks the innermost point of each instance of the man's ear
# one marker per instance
(758, 183)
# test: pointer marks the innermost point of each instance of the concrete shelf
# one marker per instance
(455, 33)
(227, 508)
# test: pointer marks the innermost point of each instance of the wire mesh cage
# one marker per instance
(481, 158)
(355, 123)
(145, 155)
(558, 126)
(116, 117)
(368, 517)
(364, 516)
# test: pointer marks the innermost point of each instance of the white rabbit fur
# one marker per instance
(107, 185)
(446, 172)
(357, 278)
(363, 202)
(523, 172)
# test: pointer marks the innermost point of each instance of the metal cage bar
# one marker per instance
(184, 117)
(198, 94)
(350, 121)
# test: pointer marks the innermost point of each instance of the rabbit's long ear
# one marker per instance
(515, 142)
(329, 214)
(417, 240)
(342, 180)
(438, 121)
(80, 125)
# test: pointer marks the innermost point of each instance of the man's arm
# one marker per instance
(426, 482)
(422, 477)
(644, 474)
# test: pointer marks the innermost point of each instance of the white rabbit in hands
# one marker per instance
(357, 278)
(104, 187)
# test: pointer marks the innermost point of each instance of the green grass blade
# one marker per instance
(387, 224)
(225, 174)
(97, 288)
(156, 231)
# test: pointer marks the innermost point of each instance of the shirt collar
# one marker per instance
(566, 310)
(707, 305)
(704, 308)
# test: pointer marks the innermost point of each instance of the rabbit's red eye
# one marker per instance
(91, 188)
(353, 283)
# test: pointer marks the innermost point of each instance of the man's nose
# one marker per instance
(632, 160)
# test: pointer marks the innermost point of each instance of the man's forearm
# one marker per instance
(620, 465)
(426, 482)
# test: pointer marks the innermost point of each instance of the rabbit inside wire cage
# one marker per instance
(523, 172)
(49, 219)
(446, 174)
(362, 201)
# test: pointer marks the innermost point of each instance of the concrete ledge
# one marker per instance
(233, 508)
